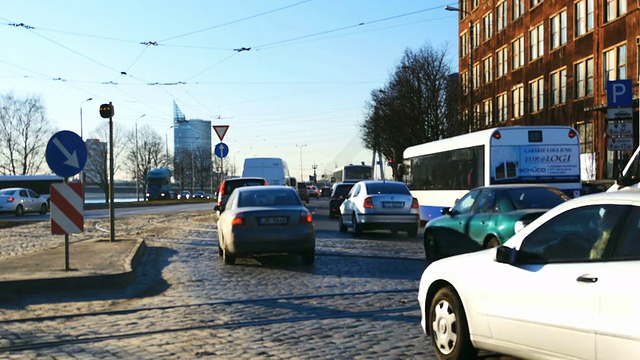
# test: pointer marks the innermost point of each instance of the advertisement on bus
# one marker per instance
(535, 164)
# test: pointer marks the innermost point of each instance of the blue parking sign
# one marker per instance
(619, 93)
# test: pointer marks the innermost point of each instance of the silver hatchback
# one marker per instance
(379, 204)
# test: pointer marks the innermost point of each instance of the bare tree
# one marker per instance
(98, 156)
(414, 107)
(24, 133)
(144, 151)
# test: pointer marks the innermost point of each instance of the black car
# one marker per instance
(303, 192)
(338, 194)
(228, 185)
(199, 195)
(325, 191)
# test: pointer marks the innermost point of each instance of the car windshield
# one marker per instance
(268, 198)
(342, 190)
(535, 198)
(387, 188)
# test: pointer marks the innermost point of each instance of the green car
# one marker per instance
(487, 217)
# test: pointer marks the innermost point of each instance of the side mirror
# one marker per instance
(506, 255)
(446, 211)
(216, 208)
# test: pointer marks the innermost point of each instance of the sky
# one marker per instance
(291, 78)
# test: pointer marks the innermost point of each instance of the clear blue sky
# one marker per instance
(311, 67)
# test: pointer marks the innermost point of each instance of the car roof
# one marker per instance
(377, 182)
(248, 178)
(513, 186)
(264, 188)
(14, 189)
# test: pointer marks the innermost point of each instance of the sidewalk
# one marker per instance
(92, 264)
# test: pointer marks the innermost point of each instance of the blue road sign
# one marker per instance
(221, 150)
(66, 153)
(619, 93)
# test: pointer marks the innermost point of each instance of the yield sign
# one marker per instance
(221, 130)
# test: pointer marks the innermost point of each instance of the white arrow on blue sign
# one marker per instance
(66, 153)
(221, 150)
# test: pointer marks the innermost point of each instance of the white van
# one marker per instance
(274, 170)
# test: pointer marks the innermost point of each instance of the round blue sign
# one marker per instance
(66, 153)
(221, 150)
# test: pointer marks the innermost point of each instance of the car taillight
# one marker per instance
(10, 199)
(414, 204)
(368, 203)
(237, 220)
(305, 217)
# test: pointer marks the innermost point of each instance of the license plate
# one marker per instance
(273, 220)
(392, 204)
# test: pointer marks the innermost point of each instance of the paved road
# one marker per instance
(358, 301)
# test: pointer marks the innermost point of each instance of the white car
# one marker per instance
(379, 204)
(566, 286)
(20, 201)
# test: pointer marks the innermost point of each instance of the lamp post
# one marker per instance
(166, 143)
(471, 115)
(301, 172)
(137, 165)
(82, 137)
(193, 169)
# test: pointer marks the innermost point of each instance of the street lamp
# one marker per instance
(82, 137)
(137, 165)
(301, 173)
(166, 143)
(471, 115)
(193, 169)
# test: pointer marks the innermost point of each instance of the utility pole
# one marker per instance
(301, 172)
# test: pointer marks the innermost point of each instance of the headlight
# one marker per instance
(520, 224)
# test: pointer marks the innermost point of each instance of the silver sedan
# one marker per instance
(20, 201)
(266, 220)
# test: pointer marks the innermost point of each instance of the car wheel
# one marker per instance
(308, 257)
(432, 250)
(228, 258)
(43, 209)
(449, 328)
(342, 226)
(413, 231)
(19, 210)
(357, 228)
(491, 242)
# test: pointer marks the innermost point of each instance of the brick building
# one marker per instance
(542, 62)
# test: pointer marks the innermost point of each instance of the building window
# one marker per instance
(517, 53)
(501, 15)
(518, 9)
(536, 42)
(464, 9)
(476, 35)
(477, 75)
(535, 2)
(558, 85)
(517, 94)
(613, 9)
(464, 77)
(558, 29)
(464, 45)
(502, 59)
(475, 4)
(487, 26)
(584, 17)
(585, 131)
(502, 107)
(583, 75)
(615, 63)
(536, 95)
(488, 112)
(487, 66)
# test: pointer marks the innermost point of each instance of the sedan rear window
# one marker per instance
(7, 192)
(387, 188)
(270, 198)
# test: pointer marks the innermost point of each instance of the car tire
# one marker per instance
(308, 258)
(448, 326)
(342, 227)
(413, 231)
(227, 258)
(432, 249)
(43, 209)
(357, 228)
(19, 210)
(492, 242)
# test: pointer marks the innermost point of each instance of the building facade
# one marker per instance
(548, 62)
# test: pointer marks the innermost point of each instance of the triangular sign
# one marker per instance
(221, 130)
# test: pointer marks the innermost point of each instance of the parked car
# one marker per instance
(379, 204)
(303, 192)
(568, 275)
(199, 195)
(21, 200)
(487, 217)
(265, 220)
(185, 195)
(313, 191)
(325, 191)
(229, 185)
(338, 194)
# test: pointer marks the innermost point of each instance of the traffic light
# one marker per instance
(106, 111)
(390, 162)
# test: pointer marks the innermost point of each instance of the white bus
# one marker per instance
(440, 172)
(274, 170)
(352, 173)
